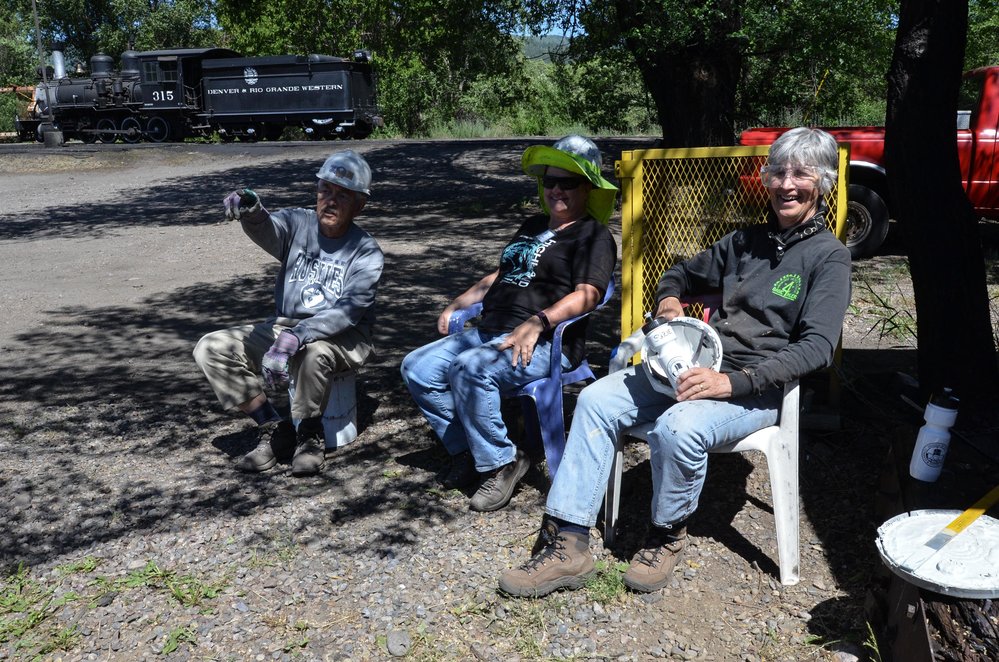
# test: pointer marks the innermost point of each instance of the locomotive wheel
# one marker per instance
(157, 129)
(86, 135)
(131, 124)
(106, 124)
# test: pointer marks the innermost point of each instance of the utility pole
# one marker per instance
(50, 134)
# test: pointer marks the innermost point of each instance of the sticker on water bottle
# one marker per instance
(933, 454)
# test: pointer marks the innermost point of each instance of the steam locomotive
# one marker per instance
(168, 95)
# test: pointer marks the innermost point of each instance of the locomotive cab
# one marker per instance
(168, 89)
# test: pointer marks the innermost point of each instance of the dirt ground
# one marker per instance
(114, 260)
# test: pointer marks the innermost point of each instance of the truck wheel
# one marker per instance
(866, 221)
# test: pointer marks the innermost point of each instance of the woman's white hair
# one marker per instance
(808, 147)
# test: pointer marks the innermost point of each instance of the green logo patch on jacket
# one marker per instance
(788, 287)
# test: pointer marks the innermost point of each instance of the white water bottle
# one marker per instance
(933, 439)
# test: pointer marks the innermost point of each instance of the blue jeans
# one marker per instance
(684, 433)
(457, 383)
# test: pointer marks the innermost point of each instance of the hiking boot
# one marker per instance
(496, 491)
(652, 568)
(559, 560)
(462, 472)
(310, 451)
(277, 442)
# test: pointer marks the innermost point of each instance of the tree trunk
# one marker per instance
(955, 343)
(694, 96)
(693, 85)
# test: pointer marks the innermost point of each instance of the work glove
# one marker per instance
(239, 202)
(275, 362)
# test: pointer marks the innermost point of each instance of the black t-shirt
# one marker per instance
(538, 267)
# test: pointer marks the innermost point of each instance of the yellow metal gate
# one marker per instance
(677, 202)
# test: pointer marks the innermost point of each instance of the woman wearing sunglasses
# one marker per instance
(557, 266)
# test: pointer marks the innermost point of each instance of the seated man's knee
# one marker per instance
(207, 347)
(318, 359)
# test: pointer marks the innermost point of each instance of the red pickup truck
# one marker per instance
(978, 149)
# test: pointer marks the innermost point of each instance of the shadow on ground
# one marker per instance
(98, 391)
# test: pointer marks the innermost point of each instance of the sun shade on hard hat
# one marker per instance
(347, 169)
(580, 155)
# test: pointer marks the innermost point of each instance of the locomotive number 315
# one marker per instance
(163, 95)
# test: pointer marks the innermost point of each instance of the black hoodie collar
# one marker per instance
(784, 239)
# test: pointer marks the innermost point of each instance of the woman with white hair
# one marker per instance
(556, 267)
(785, 286)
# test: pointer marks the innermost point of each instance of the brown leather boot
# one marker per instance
(310, 452)
(560, 560)
(652, 568)
(277, 441)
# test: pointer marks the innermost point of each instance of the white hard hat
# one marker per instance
(671, 348)
(580, 146)
(347, 169)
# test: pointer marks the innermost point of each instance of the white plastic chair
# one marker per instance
(780, 445)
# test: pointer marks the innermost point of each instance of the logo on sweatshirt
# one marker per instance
(321, 280)
(788, 287)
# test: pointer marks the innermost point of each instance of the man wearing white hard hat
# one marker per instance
(324, 312)
(557, 266)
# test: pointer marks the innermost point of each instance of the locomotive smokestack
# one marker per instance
(58, 62)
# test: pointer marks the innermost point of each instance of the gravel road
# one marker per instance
(127, 535)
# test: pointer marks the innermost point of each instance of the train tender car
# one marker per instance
(326, 96)
(171, 94)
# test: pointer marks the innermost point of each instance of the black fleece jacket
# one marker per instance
(784, 295)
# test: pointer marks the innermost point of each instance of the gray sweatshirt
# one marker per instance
(325, 285)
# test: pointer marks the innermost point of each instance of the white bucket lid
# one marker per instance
(966, 567)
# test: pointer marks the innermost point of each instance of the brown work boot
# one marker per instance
(277, 441)
(652, 568)
(462, 472)
(559, 560)
(310, 451)
(497, 490)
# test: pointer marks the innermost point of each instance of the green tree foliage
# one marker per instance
(17, 56)
(88, 27)
(808, 63)
(701, 69)
(983, 34)
(426, 52)
(713, 65)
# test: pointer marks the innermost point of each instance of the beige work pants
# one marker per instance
(231, 358)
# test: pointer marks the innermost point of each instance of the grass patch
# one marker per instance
(607, 585)
(178, 636)
(28, 605)
(188, 590)
(871, 645)
(889, 309)
(282, 552)
(526, 625)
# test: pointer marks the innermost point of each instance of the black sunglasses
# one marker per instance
(564, 183)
